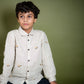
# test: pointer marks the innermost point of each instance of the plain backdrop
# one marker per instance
(63, 22)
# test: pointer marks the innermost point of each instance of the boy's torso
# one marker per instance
(28, 56)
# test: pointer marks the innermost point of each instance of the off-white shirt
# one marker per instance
(25, 56)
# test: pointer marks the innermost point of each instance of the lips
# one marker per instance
(25, 24)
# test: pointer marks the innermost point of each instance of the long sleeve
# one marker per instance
(9, 54)
(48, 64)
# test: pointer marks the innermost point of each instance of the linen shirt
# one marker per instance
(25, 56)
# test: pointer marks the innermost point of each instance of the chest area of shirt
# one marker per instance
(28, 42)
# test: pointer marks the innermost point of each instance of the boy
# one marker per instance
(27, 51)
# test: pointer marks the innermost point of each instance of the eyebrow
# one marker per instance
(22, 14)
(30, 14)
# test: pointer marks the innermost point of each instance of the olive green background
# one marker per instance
(63, 22)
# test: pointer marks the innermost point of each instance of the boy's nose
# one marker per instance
(25, 19)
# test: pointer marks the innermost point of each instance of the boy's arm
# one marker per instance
(48, 64)
(8, 57)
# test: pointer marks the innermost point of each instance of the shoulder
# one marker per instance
(12, 32)
(39, 32)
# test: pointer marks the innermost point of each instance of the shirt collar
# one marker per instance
(23, 33)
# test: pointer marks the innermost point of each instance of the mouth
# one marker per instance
(25, 24)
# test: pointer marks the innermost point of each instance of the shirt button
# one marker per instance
(28, 71)
(28, 49)
(28, 35)
(28, 60)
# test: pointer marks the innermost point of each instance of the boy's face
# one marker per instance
(26, 20)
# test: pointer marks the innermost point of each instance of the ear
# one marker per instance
(35, 20)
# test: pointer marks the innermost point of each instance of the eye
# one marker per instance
(21, 16)
(29, 16)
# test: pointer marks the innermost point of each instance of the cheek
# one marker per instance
(20, 22)
(30, 21)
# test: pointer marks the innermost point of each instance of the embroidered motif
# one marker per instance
(46, 41)
(19, 65)
(16, 46)
(41, 64)
(36, 47)
(10, 75)
(8, 65)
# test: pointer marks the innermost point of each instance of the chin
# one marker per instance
(25, 27)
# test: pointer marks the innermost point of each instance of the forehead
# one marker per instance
(26, 13)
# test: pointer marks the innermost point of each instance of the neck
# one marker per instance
(27, 30)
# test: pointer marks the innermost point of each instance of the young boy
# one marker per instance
(27, 51)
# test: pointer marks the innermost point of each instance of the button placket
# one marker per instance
(28, 43)
(28, 53)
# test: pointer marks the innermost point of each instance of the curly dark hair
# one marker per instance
(27, 7)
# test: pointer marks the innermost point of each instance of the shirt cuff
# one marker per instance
(53, 78)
